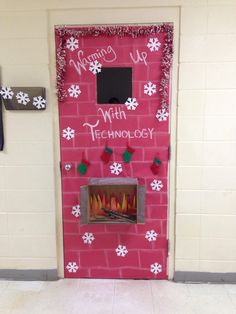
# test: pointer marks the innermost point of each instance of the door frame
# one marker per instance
(131, 15)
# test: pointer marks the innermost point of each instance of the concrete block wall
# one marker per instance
(206, 163)
(27, 205)
(206, 144)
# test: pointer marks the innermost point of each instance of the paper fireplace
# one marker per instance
(112, 200)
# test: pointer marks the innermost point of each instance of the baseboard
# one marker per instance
(187, 276)
(29, 274)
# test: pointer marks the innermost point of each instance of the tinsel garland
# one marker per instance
(63, 33)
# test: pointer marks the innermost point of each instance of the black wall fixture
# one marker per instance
(20, 98)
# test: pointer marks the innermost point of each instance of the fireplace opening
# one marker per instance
(112, 200)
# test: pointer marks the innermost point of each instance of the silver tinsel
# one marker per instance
(63, 33)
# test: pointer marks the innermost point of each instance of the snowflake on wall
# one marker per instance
(156, 185)
(121, 250)
(116, 168)
(153, 44)
(39, 102)
(72, 267)
(95, 67)
(76, 211)
(22, 98)
(6, 93)
(151, 235)
(72, 43)
(131, 103)
(162, 115)
(155, 268)
(68, 133)
(150, 88)
(88, 237)
(74, 91)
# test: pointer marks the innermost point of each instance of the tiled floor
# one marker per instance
(90, 296)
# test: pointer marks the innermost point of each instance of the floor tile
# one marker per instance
(94, 296)
(3, 285)
(58, 296)
(233, 299)
(16, 300)
(170, 298)
(133, 296)
(30, 286)
(205, 289)
(231, 288)
(212, 304)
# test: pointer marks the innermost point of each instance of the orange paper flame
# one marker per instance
(123, 203)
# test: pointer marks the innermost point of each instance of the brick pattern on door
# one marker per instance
(86, 128)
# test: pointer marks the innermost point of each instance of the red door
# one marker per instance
(113, 91)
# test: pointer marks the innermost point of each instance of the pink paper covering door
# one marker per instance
(87, 127)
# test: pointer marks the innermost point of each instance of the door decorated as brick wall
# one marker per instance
(113, 92)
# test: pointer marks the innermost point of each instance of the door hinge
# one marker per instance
(168, 247)
(169, 153)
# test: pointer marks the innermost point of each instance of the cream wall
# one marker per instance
(206, 171)
(206, 164)
(27, 206)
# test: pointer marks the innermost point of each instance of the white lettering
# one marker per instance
(106, 114)
(111, 54)
(145, 134)
(107, 55)
(92, 126)
(124, 134)
(150, 132)
(139, 57)
(80, 63)
(118, 134)
(111, 134)
(137, 133)
(111, 114)
(104, 134)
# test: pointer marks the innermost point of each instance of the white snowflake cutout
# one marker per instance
(151, 235)
(72, 267)
(6, 92)
(88, 237)
(68, 133)
(162, 115)
(74, 91)
(155, 268)
(22, 98)
(116, 168)
(76, 211)
(156, 185)
(72, 43)
(153, 44)
(150, 88)
(121, 250)
(131, 103)
(39, 102)
(95, 67)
